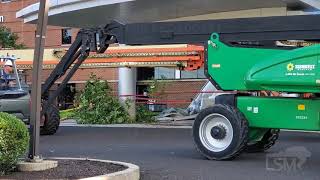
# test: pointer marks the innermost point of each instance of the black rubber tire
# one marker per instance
(268, 140)
(52, 121)
(240, 132)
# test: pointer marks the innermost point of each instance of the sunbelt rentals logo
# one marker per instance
(300, 67)
(290, 67)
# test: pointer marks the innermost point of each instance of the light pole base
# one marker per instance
(36, 165)
(35, 159)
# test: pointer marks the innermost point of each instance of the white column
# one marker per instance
(127, 86)
(178, 74)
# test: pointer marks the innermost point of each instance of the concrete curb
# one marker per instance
(132, 173)
(72, 123)
(154, 126)
(299, 131)
(126, 126)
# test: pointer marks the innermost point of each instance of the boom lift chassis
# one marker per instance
(242, 56)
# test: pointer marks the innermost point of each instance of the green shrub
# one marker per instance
(144, 115)
(98, 106)
(156, 89)
(14, 140)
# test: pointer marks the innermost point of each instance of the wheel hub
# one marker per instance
(218, 132)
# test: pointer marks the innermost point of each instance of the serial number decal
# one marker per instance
(302, 117)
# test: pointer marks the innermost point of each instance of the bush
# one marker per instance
(98, 106)
(156, 89)
(14, 140)
(144, 115)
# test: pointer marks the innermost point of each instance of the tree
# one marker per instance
(9, 39)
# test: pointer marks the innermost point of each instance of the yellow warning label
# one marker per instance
(301, 107)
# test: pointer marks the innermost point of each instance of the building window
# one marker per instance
(197, 74)
(164, 73)
(201, 74)
(66, 36)
(145, 73)
(5, 1)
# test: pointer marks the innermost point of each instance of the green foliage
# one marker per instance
(144, 115)
(68, 114)
(9, 39)
(14, 140)
(98, 106)
(156, 89)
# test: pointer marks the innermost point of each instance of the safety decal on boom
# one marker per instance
(254, 110)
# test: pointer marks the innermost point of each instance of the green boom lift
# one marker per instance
(267, 86)
(250, 118)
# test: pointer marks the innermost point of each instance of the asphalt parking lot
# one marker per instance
(169, 154)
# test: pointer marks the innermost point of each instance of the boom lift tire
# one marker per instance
(51, 122)
(220, 132)
(268, 140)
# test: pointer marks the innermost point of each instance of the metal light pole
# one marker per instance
(36, 80)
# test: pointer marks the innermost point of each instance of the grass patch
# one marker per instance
(68, 114)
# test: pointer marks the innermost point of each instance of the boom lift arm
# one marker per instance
(85, 42)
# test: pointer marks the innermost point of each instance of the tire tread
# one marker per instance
(51, 125)
(243, 124)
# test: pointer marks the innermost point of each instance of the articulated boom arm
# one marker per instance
(258, 32)
(87, 40)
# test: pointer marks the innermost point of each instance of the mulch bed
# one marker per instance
(69, 169)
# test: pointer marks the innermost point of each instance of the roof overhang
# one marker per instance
(306, 5)
(84, 13)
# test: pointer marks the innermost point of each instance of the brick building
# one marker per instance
(179, 86)
(57, 36)
(60, 37)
